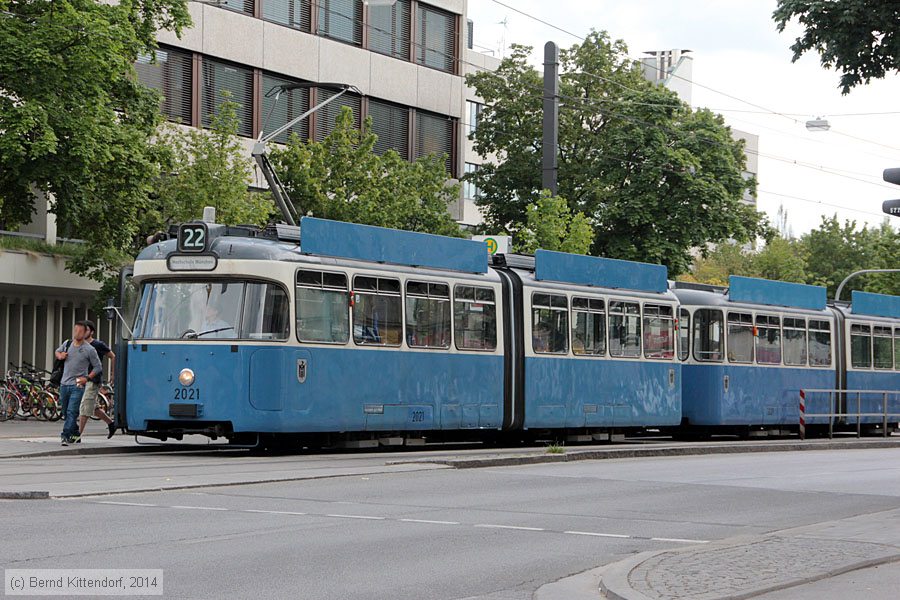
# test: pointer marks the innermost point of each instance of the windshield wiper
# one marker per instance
(195, 335)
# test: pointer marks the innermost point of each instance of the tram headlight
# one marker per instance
(186, 377)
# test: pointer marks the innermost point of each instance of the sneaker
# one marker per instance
(75, 439)
(112, 430)
(65, 442)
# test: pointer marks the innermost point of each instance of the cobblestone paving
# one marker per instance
(710, 573)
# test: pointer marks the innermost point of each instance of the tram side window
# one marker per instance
(897, 349)
(740, 337)
(427, 314)
(861, 346)
(377, 311)
(323, 307)
(883, 348)
(768, 340)
(624, 329)
(819, 343)
(709, 335)
(266, 313)
(659, 331)
(684, 334)
(795, 342)
(475, 318)
(588, 327)
(549, 323)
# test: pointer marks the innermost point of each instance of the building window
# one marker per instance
(293, 13)
(170, 72)
(291, 104)
(473, 112)
(434, 135)
(470, 188)
(435, 38)
(341, 20)
(389, 29)
(241, 6)
(391, 124)
(220, 79)
(326, 117)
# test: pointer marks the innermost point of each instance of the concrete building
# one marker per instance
(674, 70)
(408, 61)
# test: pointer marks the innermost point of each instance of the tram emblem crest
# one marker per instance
(301, 370)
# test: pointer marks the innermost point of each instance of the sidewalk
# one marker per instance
(749, 566)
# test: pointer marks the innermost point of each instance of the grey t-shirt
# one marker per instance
(80, 361)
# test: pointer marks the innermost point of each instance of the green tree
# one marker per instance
(654, 178)
(725, 260)
(76, 123)
(781, 260)
(860, 38)
(342, 178)
(205, 168)
(551, 225)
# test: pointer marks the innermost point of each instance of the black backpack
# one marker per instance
(58, 366)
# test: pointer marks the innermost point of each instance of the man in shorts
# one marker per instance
(89, 405)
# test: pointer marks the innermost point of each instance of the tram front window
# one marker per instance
(204, 310)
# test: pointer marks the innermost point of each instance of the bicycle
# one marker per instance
(105, 400)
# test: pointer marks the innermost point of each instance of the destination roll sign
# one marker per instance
(192, 253)
(891, 207)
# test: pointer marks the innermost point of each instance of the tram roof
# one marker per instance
(751, 290)
(877, 305)
(600, 272)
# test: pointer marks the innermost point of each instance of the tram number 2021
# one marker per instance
(187, 394)
(417, 416)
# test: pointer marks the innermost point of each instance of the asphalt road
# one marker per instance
(496, 534)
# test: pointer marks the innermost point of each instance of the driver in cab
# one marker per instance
(213, 326)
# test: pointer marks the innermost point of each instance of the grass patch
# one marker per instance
(12, 242)
(555, 448)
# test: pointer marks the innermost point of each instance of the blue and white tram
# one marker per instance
(870, 357)
(362, 330)
(595, 344)
(748, 351)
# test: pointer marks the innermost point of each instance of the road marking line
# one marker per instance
(273, 512)
(510, 527)
(680, 540)
(357, 517)
(126, 503)
(199, 507)
(430, 522)
(606, 535)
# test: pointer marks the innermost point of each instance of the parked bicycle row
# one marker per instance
(27, 393)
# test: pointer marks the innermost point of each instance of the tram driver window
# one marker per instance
(768, 340)
(474, 318)
(659, 331)
(740, 337)
(427, 314)
(709, 337)
(861, 346)
(265, 312)
(882, 347)
(549, 323)
(323, 307)
(624, 329)
(377, 311)
(819, 343)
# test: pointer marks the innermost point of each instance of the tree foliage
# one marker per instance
(205, 168)
(551, 225)
(654, 178)
(342, 178)
(823, 256)
(860, 38)
(75, 122)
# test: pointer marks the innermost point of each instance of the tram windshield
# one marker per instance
(205, 310)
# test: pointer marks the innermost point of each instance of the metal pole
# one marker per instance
(802, 415)
(884, 409)
(551, 118)
(858, 414)
(840, 288)
(831, 401)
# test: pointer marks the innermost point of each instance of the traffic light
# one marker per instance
(891, 207)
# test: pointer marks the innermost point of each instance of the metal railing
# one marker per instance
(882, 396)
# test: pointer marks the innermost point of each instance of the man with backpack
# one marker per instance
(89, 405)
(81, 364)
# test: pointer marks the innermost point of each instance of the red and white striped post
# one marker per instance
(802, 415)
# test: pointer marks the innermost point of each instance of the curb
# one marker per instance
(34, 495)
(615, 586)
(95, 451)
(648, 452)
